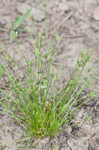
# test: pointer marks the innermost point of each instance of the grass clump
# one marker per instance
(36, 105)
(35, 102)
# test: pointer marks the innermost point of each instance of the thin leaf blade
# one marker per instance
(21, 19)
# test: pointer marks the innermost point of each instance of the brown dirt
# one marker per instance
(76, 21)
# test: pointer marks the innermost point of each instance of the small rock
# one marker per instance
(96, 130)
(42, 144)
(5, 21)
(96, 14)
(64, 7)
(78, 144)
(68, 131)
(36, 13)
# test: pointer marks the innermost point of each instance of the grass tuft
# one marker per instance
(35, 103)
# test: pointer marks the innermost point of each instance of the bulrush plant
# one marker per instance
(35, 104)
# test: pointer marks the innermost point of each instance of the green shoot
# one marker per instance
(17, 23)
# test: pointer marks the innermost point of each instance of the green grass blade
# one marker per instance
(21, 19)
(1, 70)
